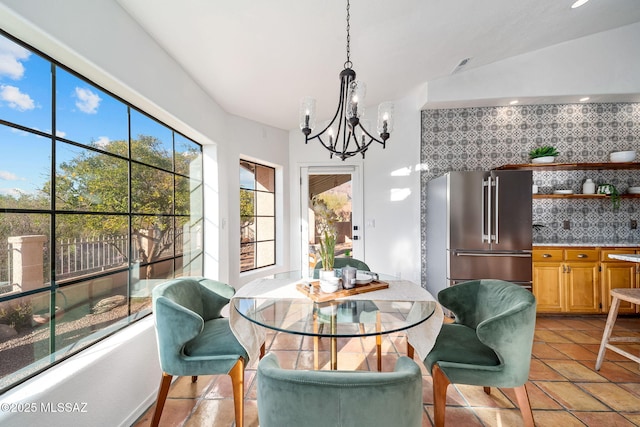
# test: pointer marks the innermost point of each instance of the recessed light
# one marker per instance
(586, 98)
(461, 65)
(578, 3)
(514, 102)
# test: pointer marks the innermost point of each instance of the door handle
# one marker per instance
(486, 211)
(497, 224)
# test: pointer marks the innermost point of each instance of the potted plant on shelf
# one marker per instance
(544, 154)
(326, 229)
(611, 191)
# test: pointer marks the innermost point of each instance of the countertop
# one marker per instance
(593, 245)
(626, 257)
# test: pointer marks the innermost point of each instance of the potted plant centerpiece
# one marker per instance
(326, 229)
(545, 154)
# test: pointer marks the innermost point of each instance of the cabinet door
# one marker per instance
(582, 290)
(618, 275)
(547, 286)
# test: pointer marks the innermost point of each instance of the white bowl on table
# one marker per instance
(622, 156)
(330, 285)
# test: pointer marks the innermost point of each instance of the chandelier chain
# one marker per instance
(348, 63)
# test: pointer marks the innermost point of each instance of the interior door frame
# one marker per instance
(357, 206)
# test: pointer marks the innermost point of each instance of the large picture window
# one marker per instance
(257, 216)
(99, 203)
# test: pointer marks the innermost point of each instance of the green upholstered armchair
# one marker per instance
(193, 337)
(489, 344)
(339, 398)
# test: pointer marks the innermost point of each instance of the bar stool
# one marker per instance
(624, 294)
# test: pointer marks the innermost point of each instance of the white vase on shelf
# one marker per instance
(589, 187)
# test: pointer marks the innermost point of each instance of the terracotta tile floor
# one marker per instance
(564, 388)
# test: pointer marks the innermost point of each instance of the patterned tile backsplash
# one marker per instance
(484, 138)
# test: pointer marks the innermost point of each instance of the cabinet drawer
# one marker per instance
(542, 255)
(581, 255)
(604, 253)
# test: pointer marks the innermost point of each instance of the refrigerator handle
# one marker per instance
(486, 222)
(497, 224)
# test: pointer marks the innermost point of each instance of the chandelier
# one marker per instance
(345, 135)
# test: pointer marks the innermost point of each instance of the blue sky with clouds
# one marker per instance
(84, 114)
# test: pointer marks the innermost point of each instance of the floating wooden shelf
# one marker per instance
(570, 166)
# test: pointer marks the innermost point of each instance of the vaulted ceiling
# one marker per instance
(257, 58)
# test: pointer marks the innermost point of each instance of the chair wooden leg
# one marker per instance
(379, 341)
(409, 350)
(194, 378)
(487, 390)
(165, 382)
(606, 334)
(525, 407)
(440, 384)
(237, 381)
(262, 350)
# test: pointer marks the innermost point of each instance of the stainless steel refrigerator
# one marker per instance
(478, 226)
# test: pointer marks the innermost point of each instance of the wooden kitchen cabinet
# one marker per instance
(618, 274)
(566, 280)
(547, 286)
(582, 285)
(579, 280)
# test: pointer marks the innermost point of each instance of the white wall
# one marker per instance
(98, 39)
(109, 384)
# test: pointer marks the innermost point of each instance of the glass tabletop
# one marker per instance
(344, 318)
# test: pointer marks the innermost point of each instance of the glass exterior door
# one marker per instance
(333, 191)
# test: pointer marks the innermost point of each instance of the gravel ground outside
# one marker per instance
(32, 344)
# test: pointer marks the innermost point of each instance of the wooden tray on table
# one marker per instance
(315, 293)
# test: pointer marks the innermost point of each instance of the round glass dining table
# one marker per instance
(360, 315)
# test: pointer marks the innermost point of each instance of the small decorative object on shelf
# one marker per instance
(544, 154)
(589, 187)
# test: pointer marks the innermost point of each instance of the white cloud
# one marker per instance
(103, 141)
(87, 101)
(8, 176)
(10, 56)
(16, 192)
(16, 99)
(61, 133)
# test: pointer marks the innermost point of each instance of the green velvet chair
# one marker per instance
(339, 398)
(194, 339)
(488, 345)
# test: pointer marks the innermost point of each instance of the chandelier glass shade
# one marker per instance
(344, 135)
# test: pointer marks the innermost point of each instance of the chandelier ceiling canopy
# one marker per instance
(346, 134)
